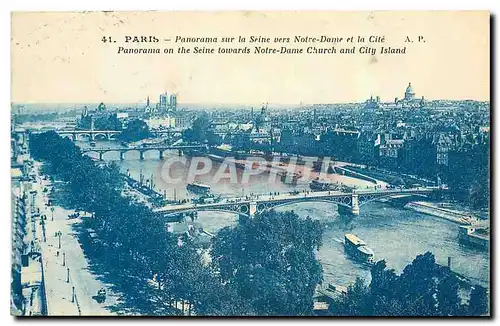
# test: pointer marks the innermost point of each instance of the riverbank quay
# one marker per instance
(294, 170)
(345, 171)
(68, 283)
(390, 177)
(459, 217)
(145, 192)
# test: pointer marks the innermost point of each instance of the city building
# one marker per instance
(372, 104)
(262, 122)
(148, 108)
(173, 102)
(163, 102)
(409, 100)
(368, 144)
(18, 211)
(390, 152)
(161, 122)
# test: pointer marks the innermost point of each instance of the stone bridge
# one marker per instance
(104, 134)
(122, 150)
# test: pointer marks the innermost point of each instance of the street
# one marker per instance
(70, 286)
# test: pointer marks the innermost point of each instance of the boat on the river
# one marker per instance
(453, 215)
(357, 249)
(474, 236)
(198, 187)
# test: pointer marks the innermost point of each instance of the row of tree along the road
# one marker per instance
(263, 266)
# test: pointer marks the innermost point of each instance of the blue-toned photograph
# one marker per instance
(321, 164)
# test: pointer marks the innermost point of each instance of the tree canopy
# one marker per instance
(270, 260)
(424, 288)
(136, 130)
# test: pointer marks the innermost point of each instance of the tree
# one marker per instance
(423, 289)
(357, 301)
(270, 261)
(107, 122)
(199, 132)
(447, 296)
(479, 302)
(136, 130)
(213, 139)
(383, 287)
(242, 141)
(469, 174)
(417, 286)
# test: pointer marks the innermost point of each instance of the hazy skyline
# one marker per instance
(59, 57)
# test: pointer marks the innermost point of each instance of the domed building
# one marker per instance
(409, 100)
(101, 107)
(409, 93)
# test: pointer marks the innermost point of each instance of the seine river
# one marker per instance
(396, 235)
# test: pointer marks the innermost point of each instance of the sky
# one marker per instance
(59, 57)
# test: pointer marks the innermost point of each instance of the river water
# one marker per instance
(395, 234)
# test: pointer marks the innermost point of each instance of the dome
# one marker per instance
(409, 89)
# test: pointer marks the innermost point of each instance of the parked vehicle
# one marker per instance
(74, 215)
(100, 297)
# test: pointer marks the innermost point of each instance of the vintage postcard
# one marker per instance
(313, 163)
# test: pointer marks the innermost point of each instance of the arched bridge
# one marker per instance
(250, 207)
(122, 150)
(91, 134)
(77, 134)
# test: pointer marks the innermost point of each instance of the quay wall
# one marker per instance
(357, 175)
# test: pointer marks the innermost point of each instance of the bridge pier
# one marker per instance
(252, 209)
(352, 210)
(122, 156)
(355, 204)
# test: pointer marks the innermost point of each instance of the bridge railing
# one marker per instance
(287, 197)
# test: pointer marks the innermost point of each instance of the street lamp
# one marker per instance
(58, 234)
